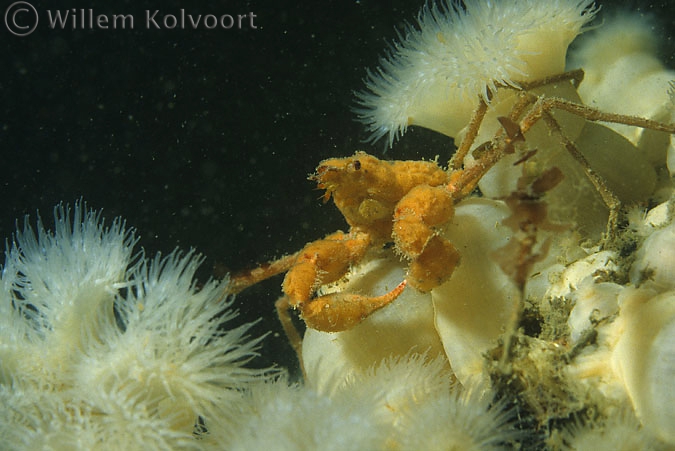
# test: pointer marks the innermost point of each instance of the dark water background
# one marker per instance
(202, 138)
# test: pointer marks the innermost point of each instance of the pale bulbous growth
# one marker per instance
(478, 303)
(456, 54)
(593, 302)
(624, 75)
(101, 349)
(654, 265)
(645, 222)
(592, 320)
(644, 358)
(581, 270)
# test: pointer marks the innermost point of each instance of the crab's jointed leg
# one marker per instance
(321, 262)
(342, 311)
(418, 218)
(325, 261)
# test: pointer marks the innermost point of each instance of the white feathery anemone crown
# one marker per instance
(94, 341)
(434, 76)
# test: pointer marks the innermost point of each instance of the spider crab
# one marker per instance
(408, 203)
(404, 202)
(382, 201)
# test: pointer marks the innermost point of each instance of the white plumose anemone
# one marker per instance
(463, 420)
(620, 431)
(56, 288)
(98, 348)
(286, 417)
(436, 74)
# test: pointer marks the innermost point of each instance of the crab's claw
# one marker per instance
(341, 311)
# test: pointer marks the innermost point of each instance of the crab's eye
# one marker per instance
(357, 165)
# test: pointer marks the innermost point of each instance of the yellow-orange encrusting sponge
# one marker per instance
(435, 75)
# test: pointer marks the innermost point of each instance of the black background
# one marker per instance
(202, 138)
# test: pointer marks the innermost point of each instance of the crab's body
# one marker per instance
(366, 190)
(382, 201)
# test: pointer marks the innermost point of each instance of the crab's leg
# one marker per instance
(546, 104)
(341, 311)
(541, 110)
(471, 133)
(463, 181)
(609, 198)
(576, 76)
(323, 261)
(283, 306)
(244, 279)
